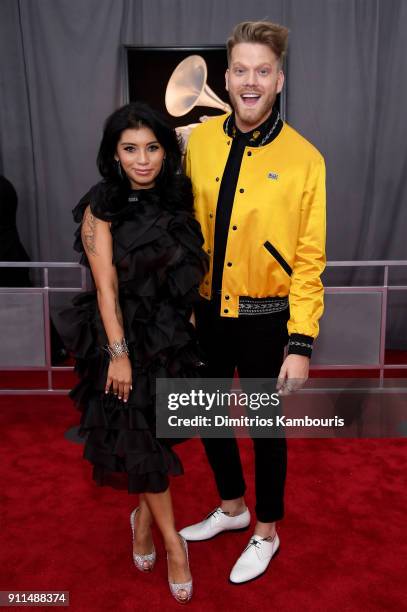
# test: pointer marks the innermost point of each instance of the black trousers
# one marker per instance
(254, 345)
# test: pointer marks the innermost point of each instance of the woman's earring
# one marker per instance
(119, 168)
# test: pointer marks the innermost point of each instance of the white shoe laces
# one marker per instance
(256, 543)
(215, 513)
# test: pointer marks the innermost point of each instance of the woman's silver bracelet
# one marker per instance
(117, 349)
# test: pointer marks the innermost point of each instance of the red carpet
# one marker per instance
(343, 541)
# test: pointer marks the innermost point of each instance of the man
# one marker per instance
(259, 192)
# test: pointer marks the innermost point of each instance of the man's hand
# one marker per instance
(293, 374)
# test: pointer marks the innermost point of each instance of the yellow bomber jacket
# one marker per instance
(276, 240)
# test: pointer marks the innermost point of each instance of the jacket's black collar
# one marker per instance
(261, 135)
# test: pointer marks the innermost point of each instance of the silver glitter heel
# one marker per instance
(139, 560)
(175, 587)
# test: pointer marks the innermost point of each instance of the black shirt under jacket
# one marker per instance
(261, 135)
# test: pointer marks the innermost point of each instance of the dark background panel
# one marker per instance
(149, 70)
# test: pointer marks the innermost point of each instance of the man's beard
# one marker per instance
(256, 115)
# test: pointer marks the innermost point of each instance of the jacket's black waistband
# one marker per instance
(268, 305)
(258, 306)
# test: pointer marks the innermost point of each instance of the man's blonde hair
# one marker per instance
(273, 35)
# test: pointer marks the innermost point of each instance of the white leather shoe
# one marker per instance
(216, 522)
(255, 559)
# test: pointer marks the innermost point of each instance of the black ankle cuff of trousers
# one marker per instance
(228, 495)
(269, 516)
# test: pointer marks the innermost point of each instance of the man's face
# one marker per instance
(253, 81)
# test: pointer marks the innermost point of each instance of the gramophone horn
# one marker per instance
(187, 88)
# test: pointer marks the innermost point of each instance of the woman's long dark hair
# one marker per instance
(135, 116)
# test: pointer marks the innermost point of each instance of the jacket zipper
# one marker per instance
(273, 251)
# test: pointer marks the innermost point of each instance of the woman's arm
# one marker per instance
(97, 242)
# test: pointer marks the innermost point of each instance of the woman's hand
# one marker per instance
(119, 377)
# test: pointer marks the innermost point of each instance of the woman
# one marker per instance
(143, 246)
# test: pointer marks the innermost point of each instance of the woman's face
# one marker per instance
(141, 156)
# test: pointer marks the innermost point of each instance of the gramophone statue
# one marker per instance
(187, 88)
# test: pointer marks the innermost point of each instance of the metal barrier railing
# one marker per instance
(46, 290)
(384, 289)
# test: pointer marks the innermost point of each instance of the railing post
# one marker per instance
(47, 329)
(383, 323)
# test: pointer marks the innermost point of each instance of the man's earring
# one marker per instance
(119, 168)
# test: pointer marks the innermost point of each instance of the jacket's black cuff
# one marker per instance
(299, 344)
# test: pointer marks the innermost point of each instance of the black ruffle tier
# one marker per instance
(157, 250)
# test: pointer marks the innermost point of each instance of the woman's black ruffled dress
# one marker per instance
(157, 250)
